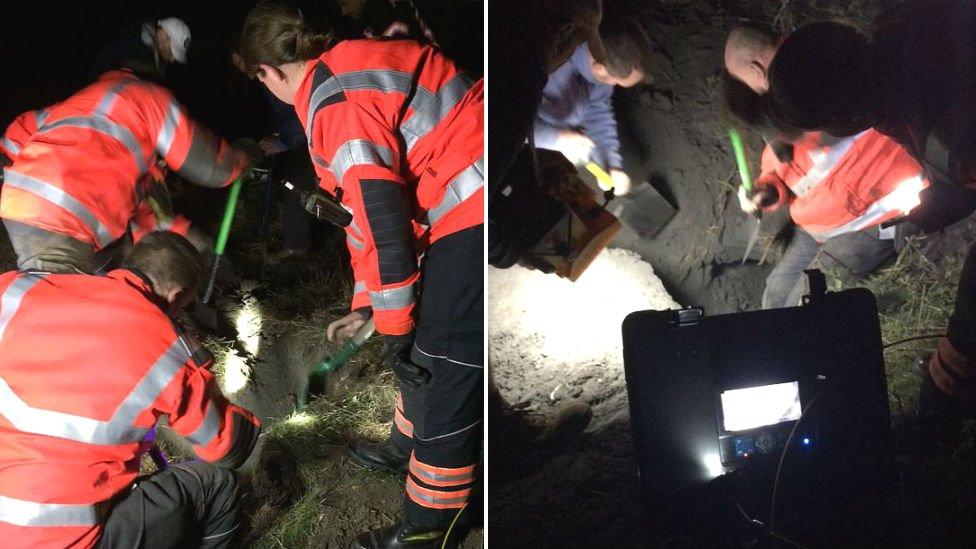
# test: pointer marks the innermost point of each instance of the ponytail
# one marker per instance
(275, 34)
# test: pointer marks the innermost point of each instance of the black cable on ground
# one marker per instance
(789, 439)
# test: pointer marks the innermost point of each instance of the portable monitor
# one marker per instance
(796, 393)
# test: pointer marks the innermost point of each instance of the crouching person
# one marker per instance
(88, 364)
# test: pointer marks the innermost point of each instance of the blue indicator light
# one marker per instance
(806, 441)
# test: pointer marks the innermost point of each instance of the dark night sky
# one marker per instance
(47, 48)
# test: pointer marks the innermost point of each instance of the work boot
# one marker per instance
(403, 536)
(378, 455)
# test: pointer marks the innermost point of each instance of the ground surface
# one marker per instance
(585, 494)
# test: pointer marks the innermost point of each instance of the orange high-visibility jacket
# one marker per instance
(87, 366)
(836, 186)
(77, 174)
(397, 132)
(20, 130)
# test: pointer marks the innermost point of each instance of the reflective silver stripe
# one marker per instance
(325, 90)
(108, 100)
(415, 493)
(205, 433)
(168, 132)
(377, 79)
(360, 286)
(388, 300)
(465, 185)
(823, 164)
(107, 127)
(59, 197)
(354, 242)
(10, 145)
(40, 116)
(28, 513)
(872, 215)
(430, 478)
(10, 301)
(429, 109)
(119, 429)
(357, 152)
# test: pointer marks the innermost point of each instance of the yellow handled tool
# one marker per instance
(603, 179)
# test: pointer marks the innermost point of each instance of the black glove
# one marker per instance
(942, 205)
(396, 356)
(252, 149)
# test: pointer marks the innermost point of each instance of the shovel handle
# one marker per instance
(740, 158)
(225, 223)
(212, 281)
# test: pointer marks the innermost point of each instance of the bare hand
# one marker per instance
(341, 330)
(621, 182)
(575, 146)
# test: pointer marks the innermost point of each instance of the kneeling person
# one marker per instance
(87, 366)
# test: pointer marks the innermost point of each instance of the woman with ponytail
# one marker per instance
(396, 135)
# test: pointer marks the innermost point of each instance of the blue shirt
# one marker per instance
(574, 99)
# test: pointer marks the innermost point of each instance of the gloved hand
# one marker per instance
(752, 202)
(942, 205)
(575, 146)
(396, 355)
(252, 149)
(621, 182)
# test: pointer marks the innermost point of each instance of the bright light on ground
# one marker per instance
(532, 314)
(237, 373)
(247, 322)
(300, 419)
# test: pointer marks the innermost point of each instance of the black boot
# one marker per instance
(378, 455)
(403, 536)
(939, 416)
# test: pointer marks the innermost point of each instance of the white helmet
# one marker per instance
(179, 37)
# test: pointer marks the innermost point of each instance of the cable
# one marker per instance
(789, 439)
(447, 535)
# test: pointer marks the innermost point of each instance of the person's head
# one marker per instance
(822, 79)
(749, 110)
(172, 265)
(749, 50)
(563, 27)
(172, 39)
(628, 53)
(275, 44)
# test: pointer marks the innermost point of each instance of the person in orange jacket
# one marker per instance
(839, 191)
(396, 134)
(78, 397)
(76, 181)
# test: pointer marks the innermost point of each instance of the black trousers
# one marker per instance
(192, 504)
(443, 419)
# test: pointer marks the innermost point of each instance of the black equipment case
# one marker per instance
(700, 462)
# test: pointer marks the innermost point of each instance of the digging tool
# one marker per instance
(316, 380)
(740, 160)
(645, 209)
(225, 223)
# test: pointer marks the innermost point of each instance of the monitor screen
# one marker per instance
(752, 407)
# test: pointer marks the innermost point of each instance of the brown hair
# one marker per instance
(275, 34)
(168, 259)
(627, 46)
